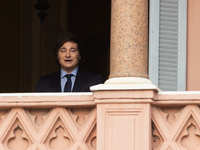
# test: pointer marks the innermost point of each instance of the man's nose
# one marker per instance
(68, 54)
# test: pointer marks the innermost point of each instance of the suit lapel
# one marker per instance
(79, 82)
(55, 82)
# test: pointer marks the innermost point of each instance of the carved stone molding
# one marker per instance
(47, 129)
(181, 132)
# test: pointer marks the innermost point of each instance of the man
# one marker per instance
(70, 78)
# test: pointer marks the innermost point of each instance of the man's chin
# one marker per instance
(68, 69)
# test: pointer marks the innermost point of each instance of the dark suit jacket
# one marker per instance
(84, 79)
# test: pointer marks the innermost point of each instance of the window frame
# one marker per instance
(154, 43)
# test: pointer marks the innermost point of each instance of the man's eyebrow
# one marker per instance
(73, 48)
(70, 48)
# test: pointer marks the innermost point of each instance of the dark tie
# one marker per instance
(68, 84)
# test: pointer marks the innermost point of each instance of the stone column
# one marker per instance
(129, 38)
(124, 101)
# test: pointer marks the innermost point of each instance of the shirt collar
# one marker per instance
(63, 73)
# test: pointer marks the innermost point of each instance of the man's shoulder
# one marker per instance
(90, 76)
(49, 83)
(51, 75)
(88, 73)
(85, 79)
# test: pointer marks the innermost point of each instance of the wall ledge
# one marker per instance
(47, 100)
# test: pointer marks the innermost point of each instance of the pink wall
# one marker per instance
(193, 46)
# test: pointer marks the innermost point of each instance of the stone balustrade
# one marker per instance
(102, 120)
(47, 121)
(176, 121)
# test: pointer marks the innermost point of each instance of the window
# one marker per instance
(167, 44)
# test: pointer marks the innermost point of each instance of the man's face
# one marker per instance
(69, 56)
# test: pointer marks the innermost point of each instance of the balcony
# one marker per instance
(141, 119)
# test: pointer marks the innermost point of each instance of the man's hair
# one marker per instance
(69, 37)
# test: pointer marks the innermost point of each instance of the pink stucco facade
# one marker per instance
(193, 45)
(126, 112)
